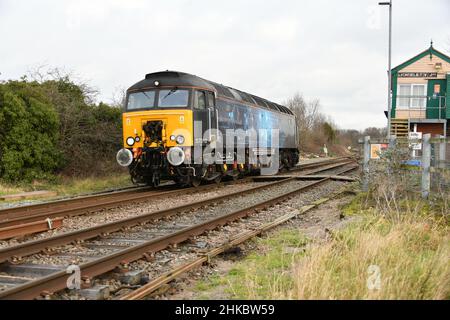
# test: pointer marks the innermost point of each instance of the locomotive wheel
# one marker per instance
(196, 182)
(218, 179)
(235, 175)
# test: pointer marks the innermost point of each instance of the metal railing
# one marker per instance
(432, 165)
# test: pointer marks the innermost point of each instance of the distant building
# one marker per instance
(420, 86)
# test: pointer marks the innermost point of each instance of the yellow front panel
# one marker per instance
(175, 122)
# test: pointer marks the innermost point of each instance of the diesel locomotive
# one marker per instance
(174, 121)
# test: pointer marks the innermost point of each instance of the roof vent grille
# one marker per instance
(162, 74)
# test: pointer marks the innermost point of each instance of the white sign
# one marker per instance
(416, 146)
(415, 136)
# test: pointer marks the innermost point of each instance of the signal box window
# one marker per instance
(411, 96)
(201, 100)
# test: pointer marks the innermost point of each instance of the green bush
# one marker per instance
(90, 134)
(54, 127)
(29, 128)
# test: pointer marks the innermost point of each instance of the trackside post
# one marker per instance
(366, 158)
(426, 159)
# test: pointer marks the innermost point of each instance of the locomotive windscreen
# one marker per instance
(141, 100)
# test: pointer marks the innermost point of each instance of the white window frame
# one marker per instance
(399, 97)
(410, 96)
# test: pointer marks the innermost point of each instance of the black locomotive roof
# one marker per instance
(175, 78)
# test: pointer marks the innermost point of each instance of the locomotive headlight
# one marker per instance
(175, 156)
(124, 157)
(137, 139)
(172, 137)
(130, 141)
(180, 139)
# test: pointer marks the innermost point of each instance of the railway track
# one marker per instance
(20, 219)
(162, 282)
(157, 231)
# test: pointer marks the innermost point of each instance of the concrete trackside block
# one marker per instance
(95, 293)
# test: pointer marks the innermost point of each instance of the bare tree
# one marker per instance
(119, 97)
(375, 133)
(43, 72)
(307, 113)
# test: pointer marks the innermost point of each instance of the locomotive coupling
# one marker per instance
(124, 157)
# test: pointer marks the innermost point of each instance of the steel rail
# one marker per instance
(174, 273)
(30, 228)
(326, 168)
(6, 213)
(58, 280)
(82, 205)
(15, 252)
(35, 246)
(18, 211)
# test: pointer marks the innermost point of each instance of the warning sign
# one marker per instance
(376, 149)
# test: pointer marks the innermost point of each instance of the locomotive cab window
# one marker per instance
(210, 102)
(141, 100)
(200, 98)
(173, 98)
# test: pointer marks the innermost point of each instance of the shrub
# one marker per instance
(53, 126)
(90, 134)
(28, 132)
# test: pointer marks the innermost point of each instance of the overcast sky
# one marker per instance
(332, 50)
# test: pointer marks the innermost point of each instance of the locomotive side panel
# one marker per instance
(242, 117)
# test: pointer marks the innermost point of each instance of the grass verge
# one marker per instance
(372, 258)
(71, 186)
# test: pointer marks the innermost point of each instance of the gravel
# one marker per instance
(171, 224)
(126, 211)
(221, 236)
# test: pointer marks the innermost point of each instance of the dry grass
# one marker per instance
(10, 189)
(71, 186)
(410, 246)
(67, 186)
(413, 257)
